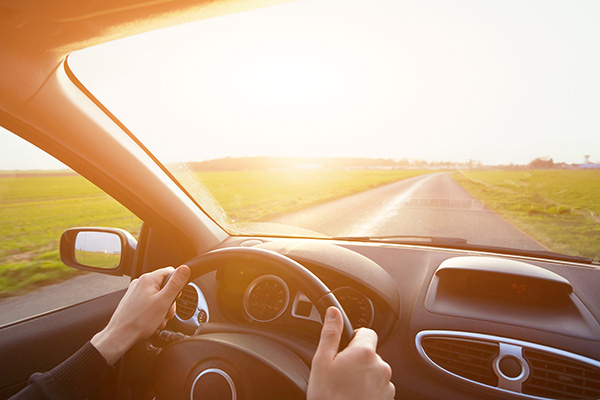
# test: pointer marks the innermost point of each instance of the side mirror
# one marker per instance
(105, 250)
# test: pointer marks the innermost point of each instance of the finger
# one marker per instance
(364, 337)
(158, 276)
(391, 391)
(171, 312)
(178, 280)
(162, 326)
(330, 335)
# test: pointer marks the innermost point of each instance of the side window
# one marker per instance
(39, 199)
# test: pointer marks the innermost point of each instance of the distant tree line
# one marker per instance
(264, 163)
(548, 163)
(542, 163)
(261, 163)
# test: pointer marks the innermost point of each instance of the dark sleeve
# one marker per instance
(75, 378)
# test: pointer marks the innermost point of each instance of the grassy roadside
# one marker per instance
(36, 209)
(560, 208)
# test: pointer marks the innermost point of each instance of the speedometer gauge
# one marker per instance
(358, 307)
(266, 298)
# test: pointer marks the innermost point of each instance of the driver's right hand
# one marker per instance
(356, 372)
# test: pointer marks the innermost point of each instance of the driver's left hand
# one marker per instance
(145, 308)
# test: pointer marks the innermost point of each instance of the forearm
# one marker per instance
(75, 378)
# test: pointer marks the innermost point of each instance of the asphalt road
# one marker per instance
(426, 205)
(73, 291)
(429, 205)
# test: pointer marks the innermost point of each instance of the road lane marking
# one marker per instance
(386, 212)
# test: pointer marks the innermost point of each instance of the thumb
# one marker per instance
(176, 282)
(330, 335)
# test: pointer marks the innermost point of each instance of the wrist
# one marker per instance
(111, 345)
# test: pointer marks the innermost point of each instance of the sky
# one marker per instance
(496, 81)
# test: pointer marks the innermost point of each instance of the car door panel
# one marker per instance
(42, 342)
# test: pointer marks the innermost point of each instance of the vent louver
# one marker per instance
(527, 370)
(187, 303)
(469, 359)
(559, 377)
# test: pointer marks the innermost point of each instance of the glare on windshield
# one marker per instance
(350, 118)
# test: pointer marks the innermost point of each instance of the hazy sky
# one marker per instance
(496, 81)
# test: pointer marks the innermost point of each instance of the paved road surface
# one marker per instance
(425, 205)
(429, 205)
(73, 291)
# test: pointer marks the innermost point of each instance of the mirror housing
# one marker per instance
(106, 250)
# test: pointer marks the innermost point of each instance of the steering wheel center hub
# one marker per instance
(213, 384)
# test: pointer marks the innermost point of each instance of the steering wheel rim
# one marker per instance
(310, 285)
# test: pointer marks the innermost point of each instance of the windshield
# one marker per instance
(467, 119)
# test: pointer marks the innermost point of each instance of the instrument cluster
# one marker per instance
(267, 297)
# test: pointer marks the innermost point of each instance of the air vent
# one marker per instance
(466, 358)
(559, 377)
(528, 370)
(187, 303)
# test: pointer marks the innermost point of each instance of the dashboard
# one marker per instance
(245, 294)
(452, 324)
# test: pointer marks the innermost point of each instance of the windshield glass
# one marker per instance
(466, 119)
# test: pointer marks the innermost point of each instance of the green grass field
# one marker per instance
(98, 259)
(560, 208)
(35, 210)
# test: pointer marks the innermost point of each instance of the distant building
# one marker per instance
(588, 165)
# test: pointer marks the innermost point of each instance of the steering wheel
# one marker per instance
(242, 363)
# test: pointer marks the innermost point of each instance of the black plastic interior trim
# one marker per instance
(40, 343)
